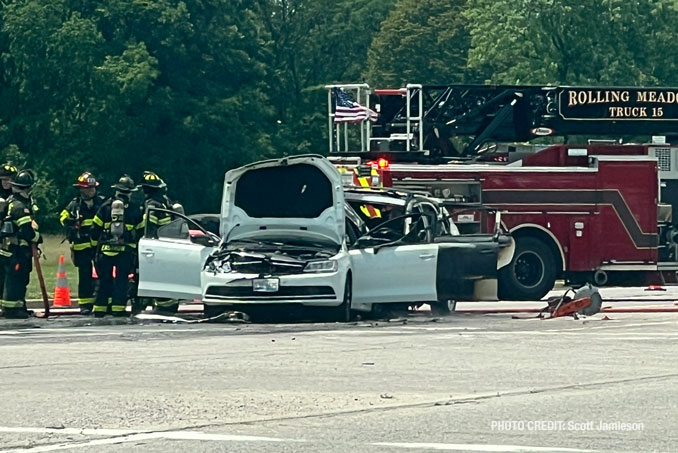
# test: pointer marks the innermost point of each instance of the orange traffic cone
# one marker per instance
(62, 294)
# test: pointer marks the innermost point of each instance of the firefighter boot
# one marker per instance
(15, 313)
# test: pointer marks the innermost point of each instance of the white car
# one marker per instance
(288, 237)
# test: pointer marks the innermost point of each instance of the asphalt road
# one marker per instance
(462, 383)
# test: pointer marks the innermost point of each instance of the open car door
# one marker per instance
(171, 262)
(393, 265)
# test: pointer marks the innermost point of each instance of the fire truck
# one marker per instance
(580, 209)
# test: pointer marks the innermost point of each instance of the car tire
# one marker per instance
(443, 307)
(531, 273)
(212, 311)
(342, 312)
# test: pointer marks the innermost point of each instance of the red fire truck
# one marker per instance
(581, 212)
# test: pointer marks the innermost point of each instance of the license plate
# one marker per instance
(265, 285)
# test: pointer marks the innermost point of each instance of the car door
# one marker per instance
(170, 263)
(392, 272)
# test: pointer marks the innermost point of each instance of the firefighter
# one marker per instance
(78, 217)
(20, 232)
(113, 232)
(155, 197)
(7, 174)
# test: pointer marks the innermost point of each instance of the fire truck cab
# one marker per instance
(581, 211)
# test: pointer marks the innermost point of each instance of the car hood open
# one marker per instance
(297, 197)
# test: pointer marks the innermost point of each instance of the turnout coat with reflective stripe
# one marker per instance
(21, 211)
(101, 228)
(80, 228)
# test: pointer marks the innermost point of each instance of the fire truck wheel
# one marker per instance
(532, 272)
(443, 307)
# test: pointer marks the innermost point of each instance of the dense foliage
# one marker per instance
(191, 88)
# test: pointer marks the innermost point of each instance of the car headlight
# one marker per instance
(322, 266)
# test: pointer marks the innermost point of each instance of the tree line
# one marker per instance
(191, 88)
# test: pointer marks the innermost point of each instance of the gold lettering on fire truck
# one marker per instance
(623, 103)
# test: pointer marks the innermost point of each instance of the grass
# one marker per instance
(52, 248)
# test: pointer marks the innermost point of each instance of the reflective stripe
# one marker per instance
(5, 253)
(86, 300)
(64, 216)
(153, 218)
(12, 303)
(24, 220)
(97, 221)
(132, 245)
(141, 225)
(118, 307)
(113, 247)
(107, 225)
(100, 308)
(81, 246)
(129, 226)
(87, 222)
(164, 221)
(94, 242)
(36, 237)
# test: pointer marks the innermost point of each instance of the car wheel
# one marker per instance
(443, 307)
(531, 273)
(342, 312)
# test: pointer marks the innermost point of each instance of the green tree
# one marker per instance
(123, 86)
(598, 42)
(316, 43)
(421, 41)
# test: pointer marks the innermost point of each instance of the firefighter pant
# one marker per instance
(83, 259)
(115, 288)
(18, 269)
(4, 256)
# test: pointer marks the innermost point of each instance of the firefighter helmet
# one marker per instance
(23, 179)
(124, 184)
(152, 180)
(8, 171)
(86, 180)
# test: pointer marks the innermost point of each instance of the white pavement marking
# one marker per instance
(125, 436)
(480, 447)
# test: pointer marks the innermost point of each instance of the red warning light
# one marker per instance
(382, 163)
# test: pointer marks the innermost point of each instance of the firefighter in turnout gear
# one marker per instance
(114, 233)
(20, 232)
(7, 174)
(154, 197)
(78, 217)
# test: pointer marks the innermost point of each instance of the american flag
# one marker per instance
(349, 111)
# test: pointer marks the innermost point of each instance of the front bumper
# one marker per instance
(321, 289)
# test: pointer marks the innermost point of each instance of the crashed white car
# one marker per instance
(289, 237)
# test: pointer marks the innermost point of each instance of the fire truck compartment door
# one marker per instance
(398, 273)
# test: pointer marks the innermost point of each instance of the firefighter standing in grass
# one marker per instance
(20, 232)
(7, 174)
(114, 233)
(78, 217)
(154, 197)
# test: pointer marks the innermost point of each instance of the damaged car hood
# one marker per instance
(297, 197)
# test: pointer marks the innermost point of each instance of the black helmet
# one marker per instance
(7, 171)
(152, 180)
(124, 184)
(24, 179)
